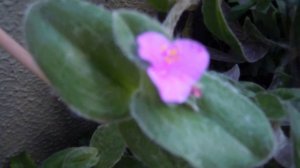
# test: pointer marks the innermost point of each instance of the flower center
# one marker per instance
(170, 54)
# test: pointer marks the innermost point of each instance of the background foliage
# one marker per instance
(248, 114)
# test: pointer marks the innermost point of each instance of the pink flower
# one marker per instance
(174, 66)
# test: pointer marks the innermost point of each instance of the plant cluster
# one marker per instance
(149, 85)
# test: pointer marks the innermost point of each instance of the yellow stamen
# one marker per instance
(173, 52)
(172, 56)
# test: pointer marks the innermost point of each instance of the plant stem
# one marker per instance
(175, 13)
(19, 53)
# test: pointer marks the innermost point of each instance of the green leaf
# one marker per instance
(251, 86)
(281, 6)
(161, 5)
(280, 79)
(295, 40)
(248, 89)
(109, 142)
(294, 116)
(239, 10)
(296, 104)
(256, 34)
(243, 48)
(146, 150)
(129, 162)
(263, 5)
(287, 94)
(220, 55)
(73, 44)
(285, 20)
(129, 24)
(79, 157)
(227, 131)
(267, 22)
(22, 160)
(271, 105)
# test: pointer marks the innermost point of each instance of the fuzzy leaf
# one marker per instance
(263, 5)
(109, 142)
(248, 89)
(244, 49)
(73, 44)
(22, 160)
(256, 34)
(161, 5)
(129, 24)
(239, 10)
(287, 94)
(294, 116)
(224, 122)
(267, 22)
(271, 105)
(146, 150)
(250, 86)
(129, 162)
(80, 157)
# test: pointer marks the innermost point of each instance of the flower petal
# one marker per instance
(194, 58)
(151, 46)
(172, 89)
(174, 66)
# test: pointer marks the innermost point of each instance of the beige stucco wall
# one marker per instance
(31, 117)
